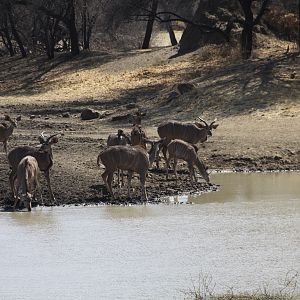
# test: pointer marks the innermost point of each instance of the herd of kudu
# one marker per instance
(124, 152)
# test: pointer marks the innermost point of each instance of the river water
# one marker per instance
(244, 236)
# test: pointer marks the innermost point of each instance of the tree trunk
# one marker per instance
(299, 25)
(49, 38)
(6, 37)
(7, 42)
(73, 31)
(193, 37)
(150, 23)
(247, 40)
(84, 27)
(15, 33)
(170, 30)
(247, 32)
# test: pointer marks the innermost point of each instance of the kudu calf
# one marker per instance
(133, 159)
(26, 181)
(188, 132)
(119, 139)
(43, 155)
(179, 149)
(6, 130)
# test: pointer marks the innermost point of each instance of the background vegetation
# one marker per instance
(48, 27)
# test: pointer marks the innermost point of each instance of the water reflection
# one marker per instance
(128, 212)
(252, 187)
(40, 217)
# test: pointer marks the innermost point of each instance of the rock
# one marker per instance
(66, 115)
(171, 96)
(184, 88)
(32, 117)
(131, 105)
(293, 75)
(121, 118)
(103, 114)
(89, 114)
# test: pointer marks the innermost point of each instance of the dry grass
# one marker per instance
(205, 290)
(225, 84)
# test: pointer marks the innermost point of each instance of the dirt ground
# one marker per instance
(257, 104)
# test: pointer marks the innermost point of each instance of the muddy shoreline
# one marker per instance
(76, 179)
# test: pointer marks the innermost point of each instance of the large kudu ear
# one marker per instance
(213, 125)
(195, 147)
(199, 125)
(53, 139)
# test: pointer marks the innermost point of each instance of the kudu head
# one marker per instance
(153, 150)
(207, 127)
(121, 134)
(203, 170)
(14, 123)
(46, 142)
(138, 136)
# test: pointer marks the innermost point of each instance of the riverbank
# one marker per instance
(257, 104)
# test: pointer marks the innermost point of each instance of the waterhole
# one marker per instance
(244, 236)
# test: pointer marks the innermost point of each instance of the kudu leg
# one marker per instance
(194, 174)
(157, 156)
(28, 203)
(167, 167)
(174, 168)
(164, 151)
(129, 177)
(17, 200)
(109, 181)
(144, 196)
(122, 178)
(104, 177)
(191, 173)
(118, 178)
(5, 147)
(12, 179)
(47, 175)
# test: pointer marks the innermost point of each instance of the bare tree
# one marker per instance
(150, 22)
(248, 24)
(8, 15)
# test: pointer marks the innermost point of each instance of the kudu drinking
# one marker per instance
(179, 149)
(43, 155)
(6, 130)
(27, 181)
(188, 132)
